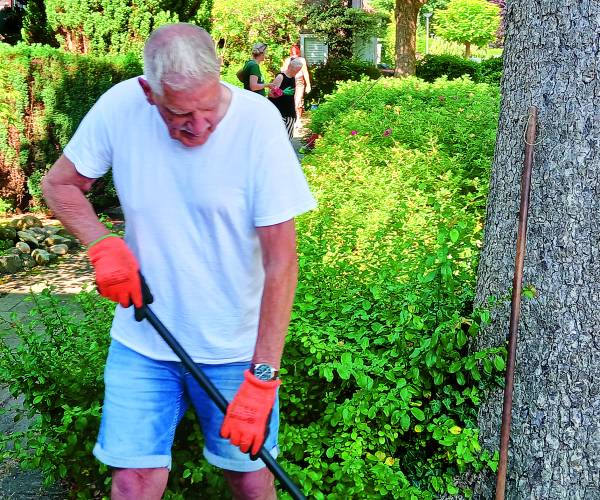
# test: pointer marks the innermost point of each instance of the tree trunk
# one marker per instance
(467, 49)
(551, 61)
(406, 13)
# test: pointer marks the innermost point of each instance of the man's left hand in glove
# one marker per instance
(245, 423)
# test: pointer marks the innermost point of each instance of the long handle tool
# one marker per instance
(146, 313)
(515, 312)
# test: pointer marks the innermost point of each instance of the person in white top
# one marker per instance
(209, 186)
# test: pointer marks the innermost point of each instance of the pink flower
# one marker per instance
(387, 132)
(353, 132)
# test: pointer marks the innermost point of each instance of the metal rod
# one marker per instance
(515, 312)
(217, 397)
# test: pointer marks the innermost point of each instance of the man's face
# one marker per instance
(190, 115)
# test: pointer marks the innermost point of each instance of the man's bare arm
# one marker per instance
(278, 244)
(64, 190)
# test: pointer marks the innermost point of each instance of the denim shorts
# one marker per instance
(144, 401)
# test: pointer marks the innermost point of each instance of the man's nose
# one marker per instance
(198, 123)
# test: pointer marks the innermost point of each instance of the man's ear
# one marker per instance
(147, 90)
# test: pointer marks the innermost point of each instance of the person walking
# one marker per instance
(282, 94)
(302, 81)
(252, 76)
(189, 168)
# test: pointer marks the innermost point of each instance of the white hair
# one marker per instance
(179, 55)
(296, 63)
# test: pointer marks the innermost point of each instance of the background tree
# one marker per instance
(468, 21)
(405, 16)
(550, 62)
(117, 26)
(35, 24)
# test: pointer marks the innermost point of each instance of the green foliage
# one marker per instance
(469, 21)
(57, 368)
(113, 26)
(5, 206)
(337, 24)
(490, 71)
(49, 93)
(238, 25)
(325, 77)
(35, 24)
(432, 67)
(380, 389)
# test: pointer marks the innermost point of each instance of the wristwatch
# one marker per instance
(264, 372)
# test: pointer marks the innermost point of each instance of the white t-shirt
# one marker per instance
(191, 215)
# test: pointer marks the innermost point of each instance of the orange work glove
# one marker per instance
(117, 271)
(245, 422)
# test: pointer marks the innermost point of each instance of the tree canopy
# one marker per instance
(470, 22)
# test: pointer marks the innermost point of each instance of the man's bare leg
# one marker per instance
(137, 484)
(257, 485)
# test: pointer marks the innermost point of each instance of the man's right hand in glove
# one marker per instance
(117, 271)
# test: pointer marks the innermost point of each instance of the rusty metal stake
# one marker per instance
(515, 312)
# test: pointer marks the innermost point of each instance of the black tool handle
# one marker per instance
(208, 386)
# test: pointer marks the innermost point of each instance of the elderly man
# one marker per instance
(209, 186)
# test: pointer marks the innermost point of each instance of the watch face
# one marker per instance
(264, 372)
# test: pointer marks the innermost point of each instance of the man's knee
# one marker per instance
(130, 484)
(257, 485)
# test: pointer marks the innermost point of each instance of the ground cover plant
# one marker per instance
(380, 389)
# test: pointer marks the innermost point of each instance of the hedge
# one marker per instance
(48, 92)
(432, 67)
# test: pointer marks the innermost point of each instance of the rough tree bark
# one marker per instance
(406, 12)
(551, 61)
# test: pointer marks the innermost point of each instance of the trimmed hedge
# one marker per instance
(432, 67)
(325, 77)
(48, 92)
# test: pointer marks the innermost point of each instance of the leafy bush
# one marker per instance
(380, 389)
(490, 71)
(383, 385)
(50, 92)
(432, 67)
(325, 77)
(5, 206)
(57, 367)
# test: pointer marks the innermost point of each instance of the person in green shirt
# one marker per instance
(253, 79)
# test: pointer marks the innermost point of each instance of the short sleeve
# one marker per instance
(253, 69)
(90, 147)
(281, 190)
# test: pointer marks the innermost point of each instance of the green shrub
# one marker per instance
(57, 367)
(380, 390)
(325, 77)
(432, 67)
(5, 206)
(490, 71)
(51, 92)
